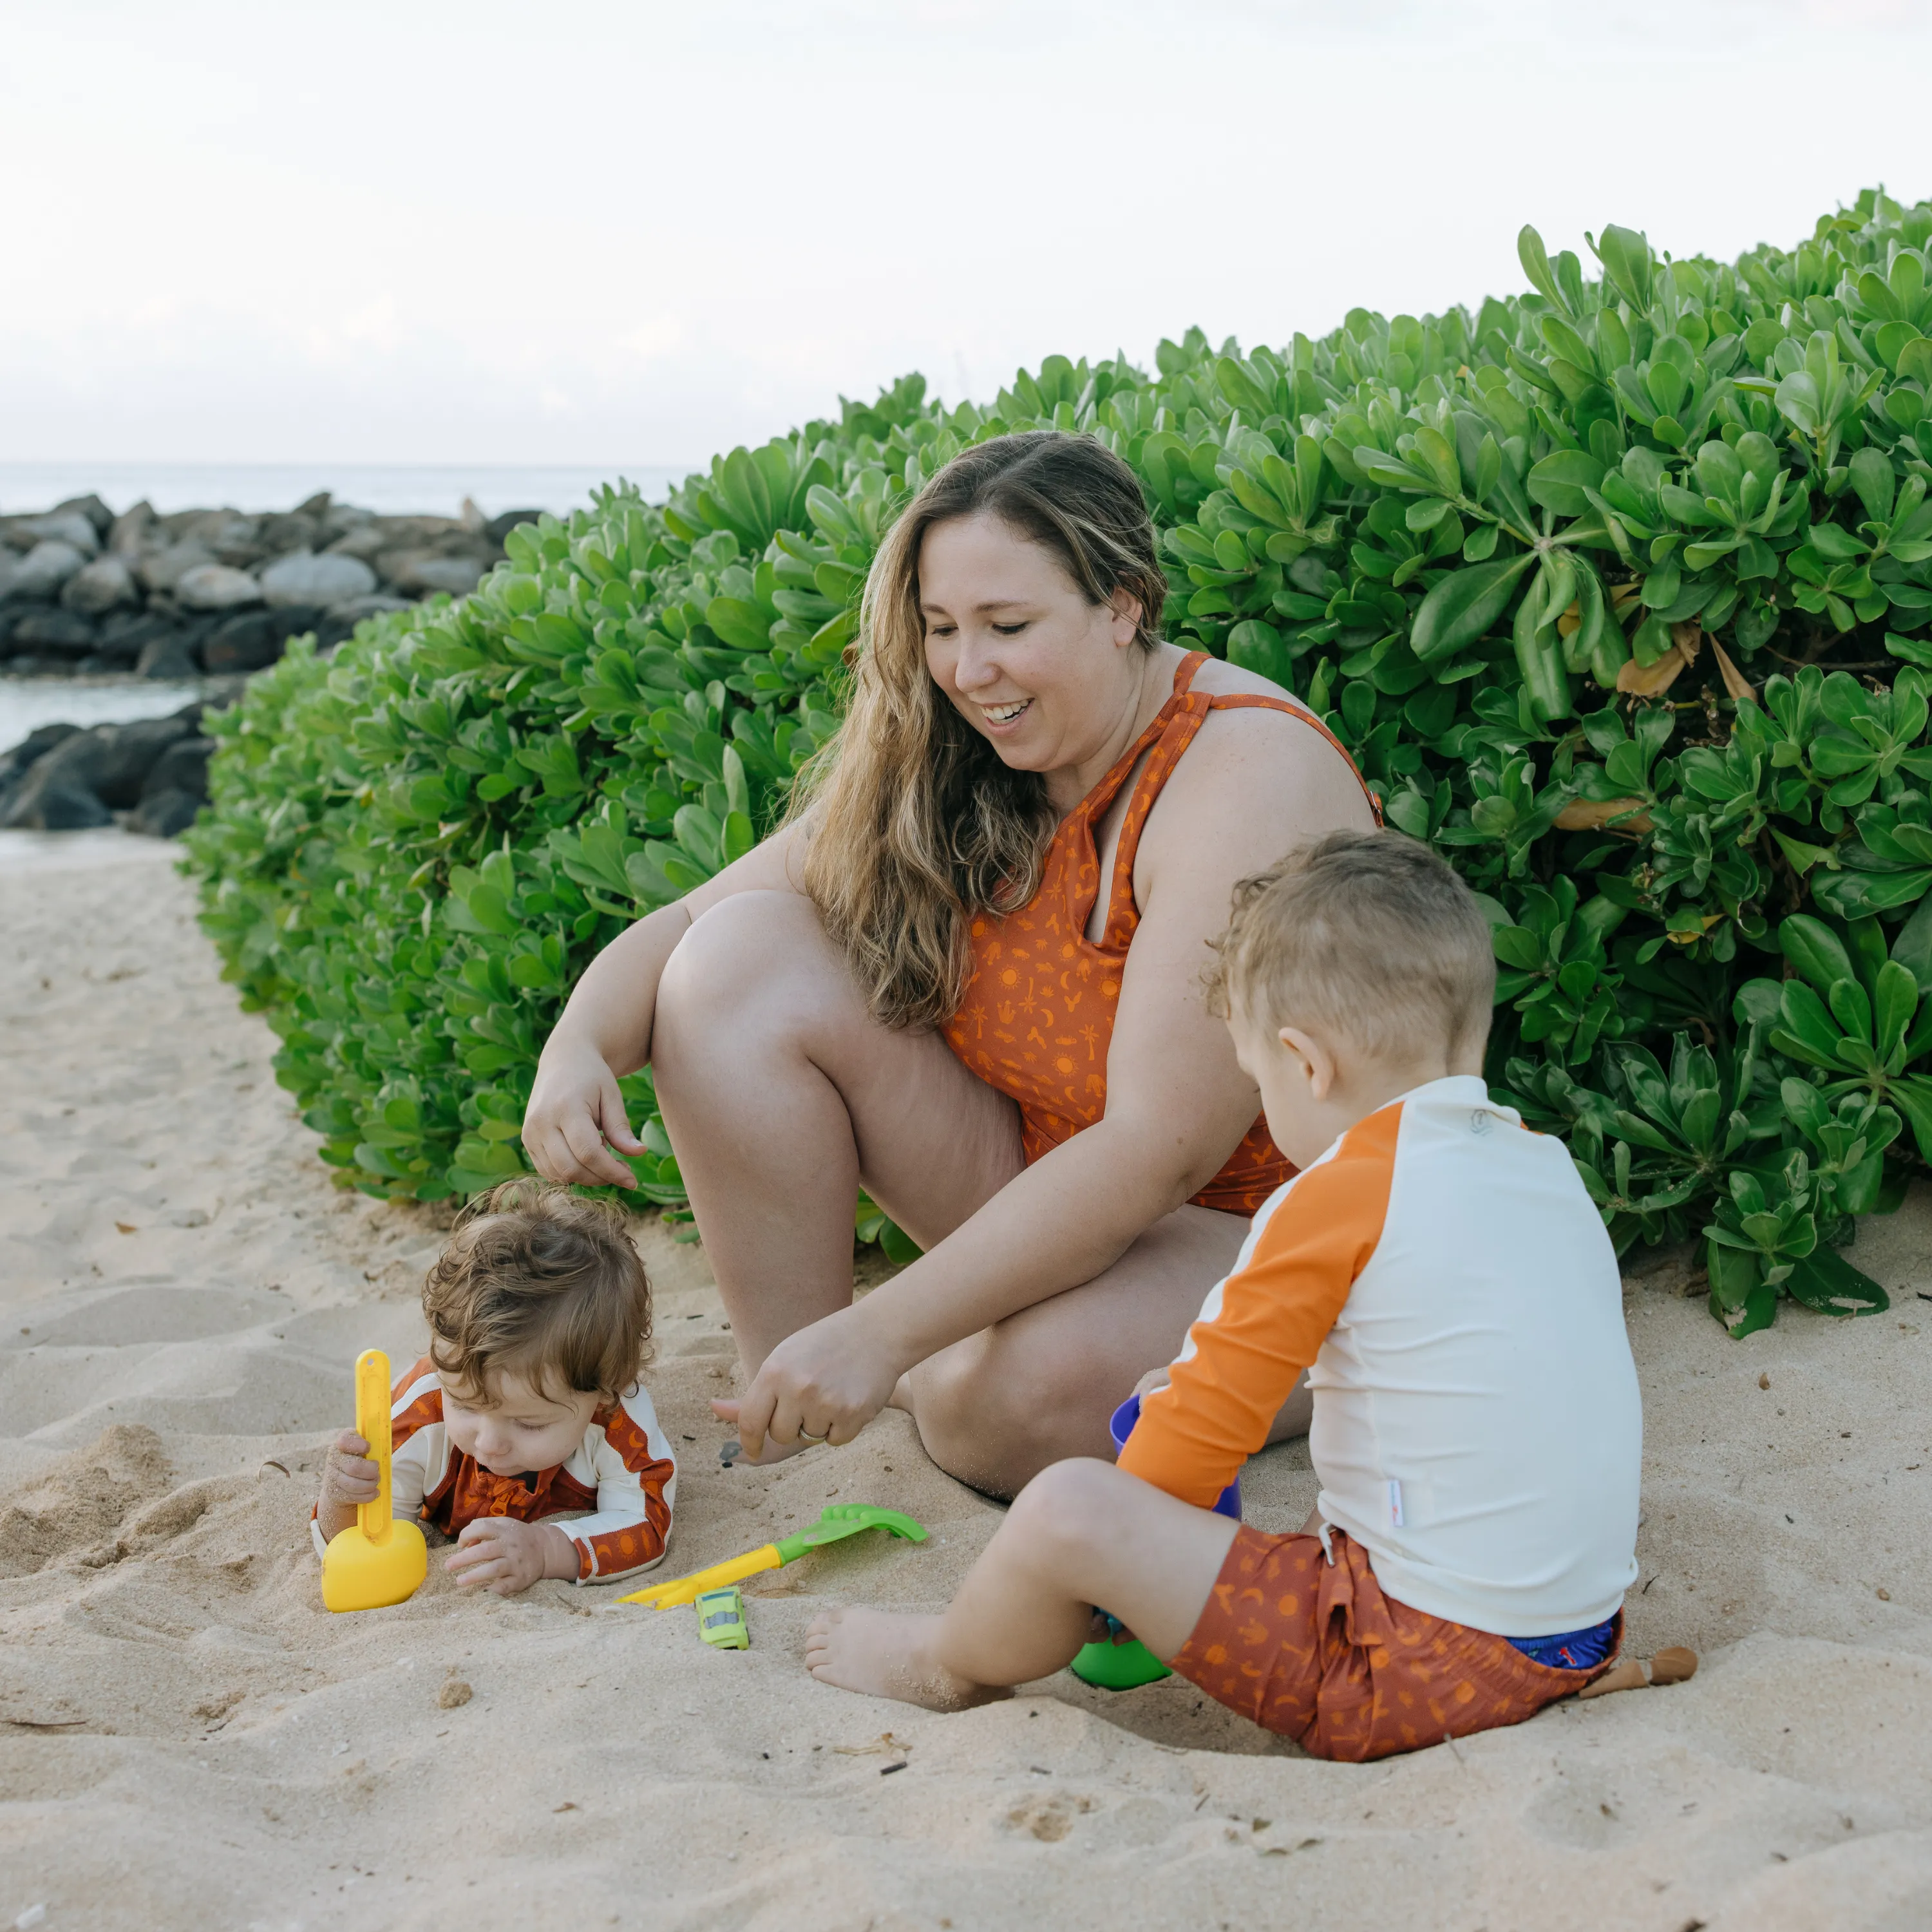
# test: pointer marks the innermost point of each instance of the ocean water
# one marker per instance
(26, 703)
(390, 489)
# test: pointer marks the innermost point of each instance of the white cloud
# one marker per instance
(628, 231)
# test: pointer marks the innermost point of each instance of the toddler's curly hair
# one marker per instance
(539, 1281)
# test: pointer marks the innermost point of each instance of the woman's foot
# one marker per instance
(887, 1655)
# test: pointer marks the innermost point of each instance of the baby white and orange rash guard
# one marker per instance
(622, 1473)
(1444, 1279)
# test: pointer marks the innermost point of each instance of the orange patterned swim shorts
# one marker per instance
(1313, 1650)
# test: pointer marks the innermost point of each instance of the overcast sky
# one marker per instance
(636, 233)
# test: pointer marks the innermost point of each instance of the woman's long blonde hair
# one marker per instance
(916, 823)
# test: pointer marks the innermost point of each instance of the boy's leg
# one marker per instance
(1081, 1533)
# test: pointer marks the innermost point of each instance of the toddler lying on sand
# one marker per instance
(1444, 1278)
(527, 1407)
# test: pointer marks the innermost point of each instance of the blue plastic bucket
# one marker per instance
(1121, 1426)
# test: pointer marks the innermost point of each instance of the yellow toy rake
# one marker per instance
(840, 1521)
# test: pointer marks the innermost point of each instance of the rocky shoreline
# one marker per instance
(220, 592)
(150, 776)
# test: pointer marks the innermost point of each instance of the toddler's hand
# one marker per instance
(348, 1479)
(1154, 1378)
(499, 1553)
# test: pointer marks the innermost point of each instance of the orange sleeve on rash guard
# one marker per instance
(1267, 1322)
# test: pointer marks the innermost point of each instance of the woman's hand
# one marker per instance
(349, 1480)
(576, 1114)
(824, 1384)
(575, 1109)
(497, 1552)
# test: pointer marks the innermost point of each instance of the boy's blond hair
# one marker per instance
(1366, 935)
(541, 1282)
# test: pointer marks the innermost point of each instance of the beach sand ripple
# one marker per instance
(188, 1739)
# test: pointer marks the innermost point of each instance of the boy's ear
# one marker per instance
(1317, 1060)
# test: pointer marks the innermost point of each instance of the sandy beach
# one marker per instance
(188, 1739)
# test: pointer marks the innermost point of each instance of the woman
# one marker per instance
(966, 975)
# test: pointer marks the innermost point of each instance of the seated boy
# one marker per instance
(1443, 1277)
(527, 1407)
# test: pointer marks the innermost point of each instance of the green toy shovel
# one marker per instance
(840, 1521)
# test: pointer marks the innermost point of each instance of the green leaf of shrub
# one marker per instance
(416, 846)
(1462, 607)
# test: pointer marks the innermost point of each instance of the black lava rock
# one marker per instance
(498, 528)
(255, 639)
(31, 750)
(164, 815)
(127, 754)
(182, 767)
(53, 633)
(170, 654)
(63, 805)
(90, 775)
(126, 634)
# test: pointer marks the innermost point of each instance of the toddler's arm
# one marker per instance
(348, 1482)
(348, 1478)
(1266, 1323)
(636, 1480)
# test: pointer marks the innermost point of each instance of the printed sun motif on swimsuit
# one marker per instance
(1037, 1017)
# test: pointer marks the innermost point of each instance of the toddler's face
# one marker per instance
(518, 1429)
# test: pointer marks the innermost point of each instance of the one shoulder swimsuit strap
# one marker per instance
(1094, 806)
(1179, 720)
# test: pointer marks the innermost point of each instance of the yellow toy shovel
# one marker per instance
(376, 1560)
(838, 1522)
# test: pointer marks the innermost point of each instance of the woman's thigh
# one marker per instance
(995, 1409)
(773, 1073)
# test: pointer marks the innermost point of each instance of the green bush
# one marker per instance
(1618, 591)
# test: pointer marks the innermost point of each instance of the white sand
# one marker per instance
(188, 1739)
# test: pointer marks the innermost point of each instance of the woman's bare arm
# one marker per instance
(605, 1032)
(1178, 1104)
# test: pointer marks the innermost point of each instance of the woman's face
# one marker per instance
(1026, 660)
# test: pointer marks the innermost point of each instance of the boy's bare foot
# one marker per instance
(887, 1655)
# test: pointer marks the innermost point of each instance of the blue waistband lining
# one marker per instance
(1570, 1650)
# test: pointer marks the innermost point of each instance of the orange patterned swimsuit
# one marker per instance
(1037, 1018)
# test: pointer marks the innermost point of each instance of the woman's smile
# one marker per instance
(1007, 711)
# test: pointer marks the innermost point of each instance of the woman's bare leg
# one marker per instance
(996, 1409)
(781, 1092)
(1080, 1533)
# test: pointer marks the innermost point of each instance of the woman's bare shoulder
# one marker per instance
(1285, 722)
(1258, 766)
(1219, 679)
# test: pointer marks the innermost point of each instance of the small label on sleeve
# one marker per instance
(1394, 1503)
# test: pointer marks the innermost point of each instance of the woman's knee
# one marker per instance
(749, 970)
(991, 1413)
